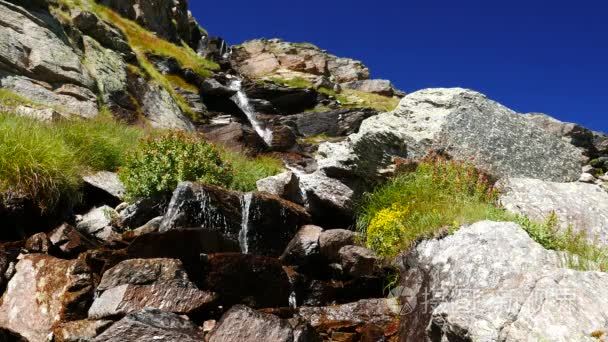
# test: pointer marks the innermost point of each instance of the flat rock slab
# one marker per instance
(125, 299)
(580, 205)
(491, 282)
(152, 325)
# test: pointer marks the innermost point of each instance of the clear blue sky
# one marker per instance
(536, 55)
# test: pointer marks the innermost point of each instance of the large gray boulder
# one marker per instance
(160, 108)
(580, 205)
(491, 282)
(575, 134)
(459, 122)
(33, 44)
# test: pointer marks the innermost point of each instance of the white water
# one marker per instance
(293, 303)
(241, 99)
(245, 206)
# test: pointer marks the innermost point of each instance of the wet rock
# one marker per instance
(284, 185)
(44, 291)
(358, 261)
(242, 324)
(79, 331)
(303, 249)
(461, 123)
(97, 223)
(103, 188)
(38, 243)
(143, 272)
(286, 100)
(259, 223)
(271, 223)
(283, 138)
(380, 87)
(491, 282)
(256, 281)
(152, 325)
(382, 313)
(212, 87)
(235, 136)
(168, 296)
(580, 205)
(334, 123)
(332, 240)
(142, 211)
(69, 241)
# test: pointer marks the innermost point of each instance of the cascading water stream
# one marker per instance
(242, 101)
(245, 207)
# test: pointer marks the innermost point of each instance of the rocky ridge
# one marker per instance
(283, 263)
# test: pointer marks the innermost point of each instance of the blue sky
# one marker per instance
(532, 56)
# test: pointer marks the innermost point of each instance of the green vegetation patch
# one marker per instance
(45, 161)
(439, 197)
(162, 162)
(248, 170)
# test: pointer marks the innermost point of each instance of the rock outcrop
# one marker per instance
(581, 206)
(461, 123)
(492, 282)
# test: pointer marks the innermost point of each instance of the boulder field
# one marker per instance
(284, 262)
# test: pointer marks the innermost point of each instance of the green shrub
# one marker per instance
(247, 171)
(438, 195)
(162, 162)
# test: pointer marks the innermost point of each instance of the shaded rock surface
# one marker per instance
(259, 282)
(258, 223)
(335, 123)
(152, 325)
(491, 282)
(79, 331)
(580, 205)
(244, 324)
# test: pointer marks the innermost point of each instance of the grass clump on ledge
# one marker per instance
(417, 205)
(45, 161)
(248, 170)
(439, 197)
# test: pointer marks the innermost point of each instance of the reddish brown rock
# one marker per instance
(242, 324)
(38, 243)
(69, 241)
(143, 272)
(152, 325)
(259, 282)
(77, 331)
(363, 318)
(169, 297)
(44, 291)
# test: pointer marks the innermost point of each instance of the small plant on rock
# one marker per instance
(164, 161)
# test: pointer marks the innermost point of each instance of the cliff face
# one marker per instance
(283, 263)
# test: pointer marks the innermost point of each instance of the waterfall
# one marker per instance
(293, 303)
(245, 206)
(241, 100)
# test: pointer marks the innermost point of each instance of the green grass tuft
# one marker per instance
(248, 170)
(45, 161)
(296, 82)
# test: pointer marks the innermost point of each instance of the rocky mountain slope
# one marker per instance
(205, 261)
